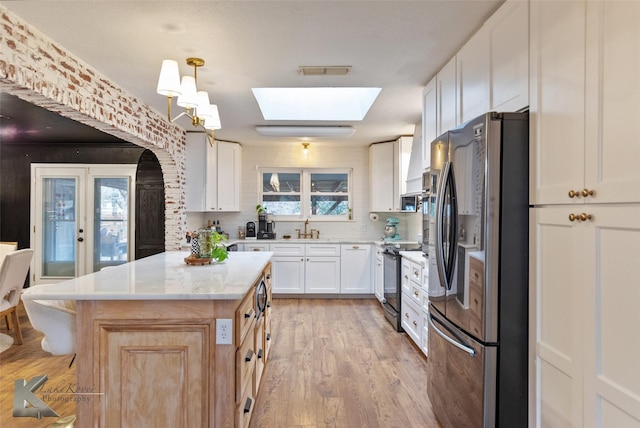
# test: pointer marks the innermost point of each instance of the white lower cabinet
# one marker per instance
(355, 278)
(411, 319)
(424, 346)
(378, 275)
(254, 246)
(300, 268)
(584, 316)
(414, 306)
(288, 274)
(322, 275)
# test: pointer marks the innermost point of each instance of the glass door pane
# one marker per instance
(110, 221)
(59, 215)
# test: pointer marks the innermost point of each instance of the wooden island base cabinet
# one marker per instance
(156, 363)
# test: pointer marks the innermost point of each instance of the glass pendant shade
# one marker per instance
(189, 97)
(169, 80)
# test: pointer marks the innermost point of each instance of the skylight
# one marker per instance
(332, 104)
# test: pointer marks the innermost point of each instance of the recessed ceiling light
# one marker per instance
(305, 131)
(331, 104)
(324, 70)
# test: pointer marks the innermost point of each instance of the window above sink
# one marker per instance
(311, 193)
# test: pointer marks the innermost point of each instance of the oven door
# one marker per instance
(391, 281)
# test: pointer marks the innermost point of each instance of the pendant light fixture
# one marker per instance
(196, 103)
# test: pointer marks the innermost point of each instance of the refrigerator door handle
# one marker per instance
(446, 267)
(469, 350)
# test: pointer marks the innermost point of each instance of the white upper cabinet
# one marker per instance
(507, 37)
(388, 167)
(585, 100)
(472, 69)
(429, 121)
(557, 85)
(612, 138)
(212, 175)
(227, 177)
(446, 96)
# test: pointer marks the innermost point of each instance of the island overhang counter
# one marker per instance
(146, 343)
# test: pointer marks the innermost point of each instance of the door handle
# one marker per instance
(466, 349)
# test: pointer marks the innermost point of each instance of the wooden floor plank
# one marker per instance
(333, 363)
(364, 373)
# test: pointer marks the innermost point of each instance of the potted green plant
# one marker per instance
(212, 245)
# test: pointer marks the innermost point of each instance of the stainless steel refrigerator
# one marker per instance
(477, 365)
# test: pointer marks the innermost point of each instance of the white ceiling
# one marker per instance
(396, 45)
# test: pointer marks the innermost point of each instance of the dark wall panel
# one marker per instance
(15, 175)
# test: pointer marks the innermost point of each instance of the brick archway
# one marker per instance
(37, 70)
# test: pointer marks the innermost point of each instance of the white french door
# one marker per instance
(80, 219)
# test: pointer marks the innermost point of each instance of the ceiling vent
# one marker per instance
(322, 70)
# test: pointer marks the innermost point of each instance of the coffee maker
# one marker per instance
(266, 228)
(251, 230)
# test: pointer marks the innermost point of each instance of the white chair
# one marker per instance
(13, 272)
(56, 319)
(6, 248)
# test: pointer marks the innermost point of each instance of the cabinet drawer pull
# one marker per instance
(256, 249)
(355, 247)
(407, 315)
(268, 336)
(415, 293)
(249, 314)
(260, 354)
(247, 405)
(415, 323)
(249, 356)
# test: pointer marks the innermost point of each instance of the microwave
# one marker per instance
(409, 204)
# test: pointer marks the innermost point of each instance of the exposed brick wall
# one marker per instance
(36, 69)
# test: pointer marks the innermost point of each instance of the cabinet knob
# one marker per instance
(355, 247)
(587, 192)
(415, 323)
(407, 315)
(580, 217)
(574, 194)
(416, 293)
(585, 217)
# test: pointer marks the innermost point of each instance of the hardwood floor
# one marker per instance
(27, 361)
(339, 363)
(333, 363)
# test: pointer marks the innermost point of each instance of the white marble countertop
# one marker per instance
(163, 276)
(416, 257)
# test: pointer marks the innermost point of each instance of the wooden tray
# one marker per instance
(198, 261)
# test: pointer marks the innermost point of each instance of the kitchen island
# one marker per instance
(163, 343)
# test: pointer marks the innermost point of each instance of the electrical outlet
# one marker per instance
(224, 330)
